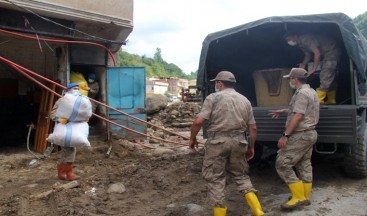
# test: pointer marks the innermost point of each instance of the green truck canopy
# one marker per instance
(260, 45)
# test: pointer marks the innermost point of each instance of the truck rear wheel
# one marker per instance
(355, 160)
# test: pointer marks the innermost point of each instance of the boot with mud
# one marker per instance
(61, 171)
(219, 211)
(254, 204)
(298, 196)
(331, 95)
(307, 188)
(69, 173)
(322, 95)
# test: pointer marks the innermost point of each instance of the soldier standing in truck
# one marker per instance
(296, 143)
(322, 48)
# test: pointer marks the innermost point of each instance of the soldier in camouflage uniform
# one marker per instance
(296, 143)
(226, 151)
(322, 48)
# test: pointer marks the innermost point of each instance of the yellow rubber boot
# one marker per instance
(307, 188)
(331, 95)
(322, 95)
(218, 211)
(298, 196)
(254, 204)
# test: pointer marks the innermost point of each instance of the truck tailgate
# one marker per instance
(338, 124)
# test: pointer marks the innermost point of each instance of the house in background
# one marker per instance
(105, 23)
(175, 85)
(156, 86)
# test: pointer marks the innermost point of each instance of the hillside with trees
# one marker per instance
(154, 67)
(361, 23)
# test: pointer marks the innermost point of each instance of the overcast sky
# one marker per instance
(178, 27)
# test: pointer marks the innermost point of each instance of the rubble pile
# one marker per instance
(175, 117)
(178, 115)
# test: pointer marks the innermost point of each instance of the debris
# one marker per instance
(116, 188)
(68, 185)
(155, 102)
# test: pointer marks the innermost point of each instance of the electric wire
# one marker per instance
(98, 102)
(61, 41)
(20, 69)
(56, 23)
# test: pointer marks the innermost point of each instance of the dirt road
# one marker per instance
(162, 182)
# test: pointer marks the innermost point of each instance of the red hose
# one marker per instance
(100, 103)
(98, 116)
(61, 41)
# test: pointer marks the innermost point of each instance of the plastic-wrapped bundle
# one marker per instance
(76, 77)
(75, 108)
(72, 134)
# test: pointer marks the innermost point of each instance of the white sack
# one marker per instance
(74, 108)
(72, 134)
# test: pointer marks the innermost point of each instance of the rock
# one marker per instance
(175, 113)
(162, 151)
(194, 208)
(155, 102)
(30, 186)
(116, 188)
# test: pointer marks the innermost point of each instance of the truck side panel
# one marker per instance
(336, 125)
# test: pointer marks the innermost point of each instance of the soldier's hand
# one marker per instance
(193, 144)
(282, 142)
(250, 153)
(275, 113)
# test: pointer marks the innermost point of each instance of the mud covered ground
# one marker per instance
(164, 182)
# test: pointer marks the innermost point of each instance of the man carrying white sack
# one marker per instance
(71, 112)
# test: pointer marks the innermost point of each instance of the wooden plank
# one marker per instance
(43, 125)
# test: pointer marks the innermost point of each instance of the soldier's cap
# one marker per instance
(72, 85)
(297, 73)
(224, 76)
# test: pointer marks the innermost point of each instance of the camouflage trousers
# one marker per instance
(296, 154)
(327, 75)
(67, 155)
(225, 155)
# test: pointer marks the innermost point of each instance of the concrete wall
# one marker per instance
(91, 19)
(120, 12)
(122, 9)
(156, 88)
(38, 58)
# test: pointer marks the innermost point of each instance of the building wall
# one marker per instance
(36, 57)
(118, 11)
(122, 9)
(176, 85)
(111, 19)
(156, 87)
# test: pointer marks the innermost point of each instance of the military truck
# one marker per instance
(190, 94)
(258, 55)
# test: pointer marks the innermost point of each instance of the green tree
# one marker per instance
(158, 56)
(154, 67)
(361, 23)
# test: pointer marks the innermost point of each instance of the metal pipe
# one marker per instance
(98, 116)
(100, 103)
